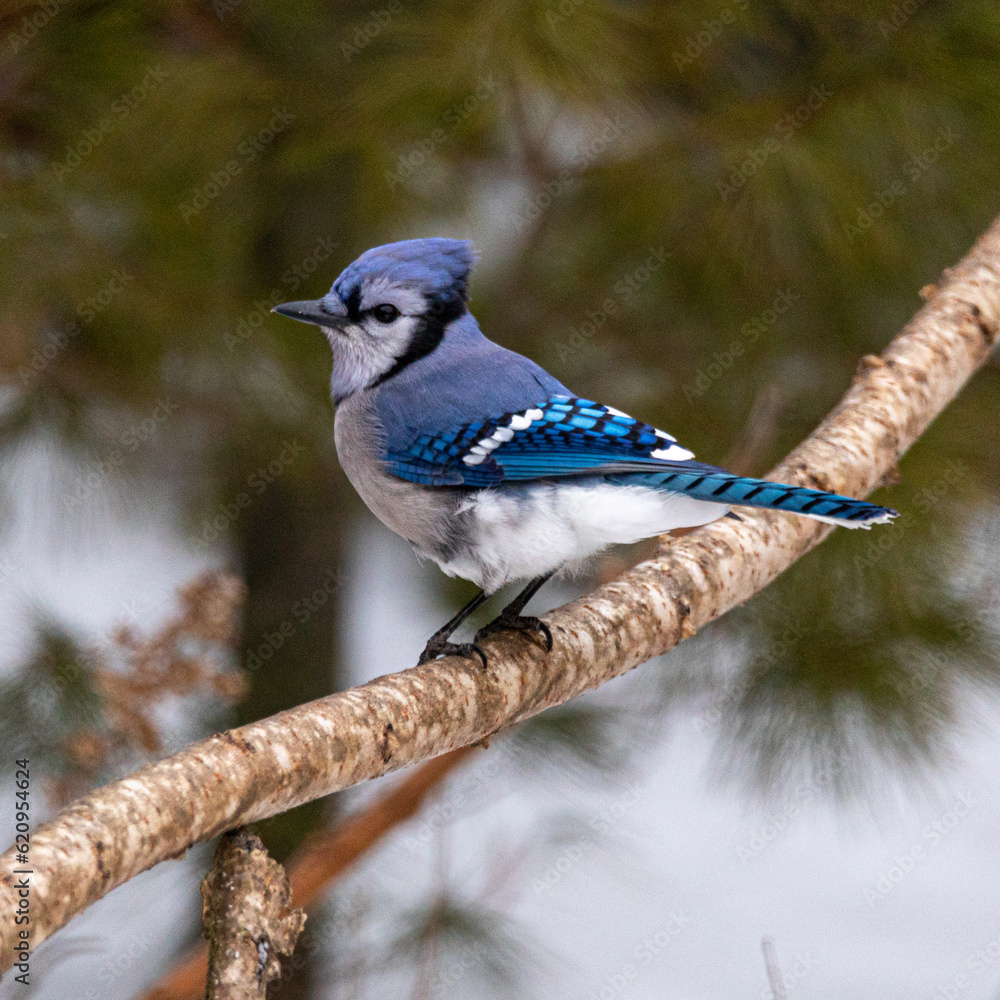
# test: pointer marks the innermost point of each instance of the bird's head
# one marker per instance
(389, 308)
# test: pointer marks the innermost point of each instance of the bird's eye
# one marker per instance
(385, 313)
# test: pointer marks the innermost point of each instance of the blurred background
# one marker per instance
(701, 213)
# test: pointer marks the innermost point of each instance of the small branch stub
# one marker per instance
(249, 922)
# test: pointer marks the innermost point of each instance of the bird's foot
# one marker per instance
(528, 624)
(441, 647)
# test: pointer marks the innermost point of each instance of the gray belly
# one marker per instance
(425, 516)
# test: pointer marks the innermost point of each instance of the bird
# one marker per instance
(487, 464)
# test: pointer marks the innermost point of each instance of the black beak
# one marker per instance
(310, 311)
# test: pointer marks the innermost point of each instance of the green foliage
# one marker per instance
(50, 702)
(169, 172)
(597, 739)
(455, 939)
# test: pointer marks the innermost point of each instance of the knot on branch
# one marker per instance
(987, 329)
(868, 363)
(688, 629)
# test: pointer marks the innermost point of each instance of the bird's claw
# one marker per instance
(528, 624)
(434, 649)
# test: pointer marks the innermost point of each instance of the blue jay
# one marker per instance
(487, 464)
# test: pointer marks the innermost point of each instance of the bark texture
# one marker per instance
(249, 922)
(266, 767)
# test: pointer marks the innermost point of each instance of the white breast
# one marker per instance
(517, 532)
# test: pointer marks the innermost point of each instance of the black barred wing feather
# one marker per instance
(563, 436)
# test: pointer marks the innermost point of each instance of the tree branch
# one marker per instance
(246, 910)
(267, 767)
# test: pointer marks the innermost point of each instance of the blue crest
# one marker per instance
(437, 267)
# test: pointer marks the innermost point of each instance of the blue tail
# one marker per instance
(706, 482)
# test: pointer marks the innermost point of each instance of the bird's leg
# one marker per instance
(511, 617)
(438, 644)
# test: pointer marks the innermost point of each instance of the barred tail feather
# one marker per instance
(871, 514)
(719, 486)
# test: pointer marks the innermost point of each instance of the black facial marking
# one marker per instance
(353, 304)
(428, 334)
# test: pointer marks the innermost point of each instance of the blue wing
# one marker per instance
(566, 436)
(562, 436)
